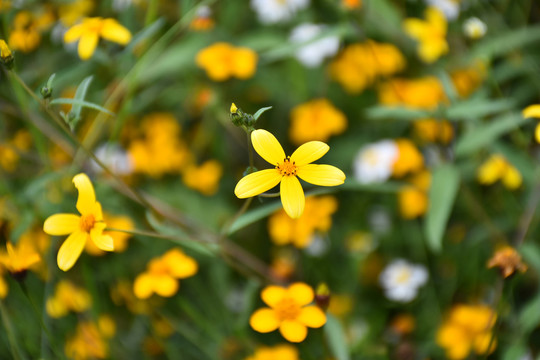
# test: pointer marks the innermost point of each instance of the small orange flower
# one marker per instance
(508, 260)
(288, 312)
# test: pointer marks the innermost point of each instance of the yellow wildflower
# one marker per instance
(120, 239)
(286, 171)
(431, 34)
(468, 79)
(10, 151)
(508, 260)
(316, 120)
(413, 199)
(162, 274)
(409, 159)
(299, 232)
(19, 257)
(534, 112)
(5, 53)
(433, 130)
(91, 29)
(4, 289)
(87, 343)
(89, 225)
(423, 93)
(67, 297)
(70, 13)
(25, 35)
(352, 4)
(204, 178)
(277, 352)
(288, 311)
(498, 168)
(468, 328)
(403, 324)
(222, 61)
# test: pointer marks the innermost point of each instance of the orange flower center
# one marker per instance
(87, 222)
(287, 309)
(287, 168)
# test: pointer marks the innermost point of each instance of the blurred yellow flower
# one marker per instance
(89, 225)
(467, 328)
(498, 168)
(468, 79)
(317, 216)
(358, 65)
(287, 170)
(4, 289)
(431, 34)
(11, 150)
(352, 4)
(67, 297)
(288, 311)
(422, 93)
(409, 159)
(91, 29)
(27, 27)
(413, 199)
(19, 257)
(433, 130)
(508, 260)
(5, 52)
(340, 305)
(71, 12)
(277, 352)
(403, 324)
(88, 342)
(283, 264)
(316, 120)
(534, 112)
(222, 61)
(120, 239)
(204, 178)
(162, 274)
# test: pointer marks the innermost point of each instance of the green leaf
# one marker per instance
(260, 111)
(507, 41)
(531, 255)
(529, 318)
(395, 113)
(485, 134)
(442, 193)
(335, 337)
(81, 103)
(145, 34)
(253, 215)
(476, 109)
(80, 94)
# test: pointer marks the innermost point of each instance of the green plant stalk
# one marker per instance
(14, 345)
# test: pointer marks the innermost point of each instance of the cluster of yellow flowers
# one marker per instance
(27, 27)
(498, 168)
(433, 130)
(359, 65)
(422, 93)
(222, 61)
(430, 33)
(90, 339)
(67, 297)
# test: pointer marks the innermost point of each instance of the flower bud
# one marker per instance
(5, 55)
(322, 296)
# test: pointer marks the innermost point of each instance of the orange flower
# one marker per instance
(508, 260)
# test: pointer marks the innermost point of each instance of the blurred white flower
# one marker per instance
(274, 11)
(449, 8)
(474, 28)
(401, 280)
(313, 53)
(115, 158)
(374, 161)
(318, 246)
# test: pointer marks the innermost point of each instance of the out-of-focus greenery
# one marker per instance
(433, 253)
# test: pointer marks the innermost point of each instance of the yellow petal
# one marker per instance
(74, 33)
(301, 293)
(87, 198)
(292, 196)
(293, 331)
(257, 183)
(264, 320)
(61, 224)
(323, 175)
(309, 152)
(180, 265)
(87, 45)
(537, 133)
(312, 316)
(436, 19)
(267, 146)
(165, 285)
(115, 32)
(273, 294)
(104, 242)
(415, 28)
(71, 250)
(532, 111)
(143, 287)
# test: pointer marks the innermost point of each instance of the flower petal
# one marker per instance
(180, 265)
(87, 45)
(415, 28)
(104, 242)
(267, 146)
(71, 250)
(87, 198)
(272, 294)
(73, 33)
(143, 287)
(264, 320)
(309, 152)
(323, 175)
(312, 316)
(292, 196)
(61, 224)
(293, 331)
(301, 293)
(113, 31)
(257, 183)
(537, 133)
(165, 285)
(532, 111)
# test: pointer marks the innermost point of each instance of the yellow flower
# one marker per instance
(433, 130)
(87, 343)
(431, 34)
(278, 352)
(19, 258)
(423, 93)
(4, 289)
(89, 225)
(91, 29)
(162, 274)
(316, 120)
(286, 171)
(352, 4)
(203, 178)
(67, 297)
(299, 232)
(5, 52)
(409, 159)
(222, 61)
(288, 312)
(413, 199)
(120, 239)
(468, 79)
(533, 111)
(508, 260)
(498, 168)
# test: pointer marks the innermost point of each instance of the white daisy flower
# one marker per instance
(313, 52)
(374, 161)
(401, 280)
(449, 8)
(275, 11)
(474, 28)
(115, 158)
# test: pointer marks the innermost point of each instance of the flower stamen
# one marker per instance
(87, 222)
(287, 309)
(287, 168)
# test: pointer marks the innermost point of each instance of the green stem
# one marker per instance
(15, 348)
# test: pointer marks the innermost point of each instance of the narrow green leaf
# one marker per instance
(260, 111)
(335, 337)
(531, 255)
(80, 94)
(395, 113)
(145, 34)
(254, 215)
(507, 41)
(477, 109)
(529, 318)
(81, 103)
(50, 81)
(442, 193)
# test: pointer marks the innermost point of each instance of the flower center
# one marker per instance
(287, 168)
(87, 222)
(287, 309)
(403, 276)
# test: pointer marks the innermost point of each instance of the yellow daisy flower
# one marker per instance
(80, 228)
(430, 33)
(91, 29)
(19, 257)
(288, 312)
(286, 171)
